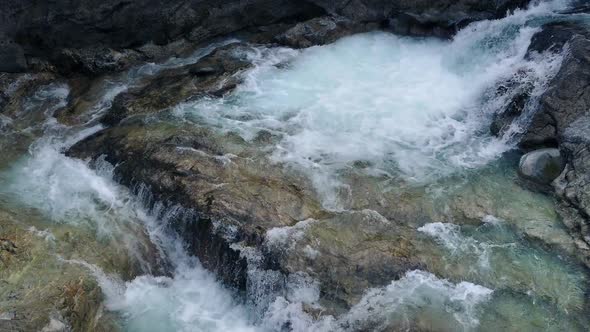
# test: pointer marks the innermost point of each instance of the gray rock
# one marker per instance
(521, 94)
(420, 17)
(212, 75)
(7, 315)
(94, 60)
(567, 97)
(563, 120)
(43, 27)
(320, 31)
(541, 166)
(47, 28)
(12, 57)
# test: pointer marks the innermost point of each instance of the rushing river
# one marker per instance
(416, 110)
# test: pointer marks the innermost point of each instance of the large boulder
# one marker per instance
(541, 166)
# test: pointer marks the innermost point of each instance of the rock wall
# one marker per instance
(44, 28)
(562, 120)
(421, 17)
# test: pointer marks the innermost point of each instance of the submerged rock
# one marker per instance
(541, 166)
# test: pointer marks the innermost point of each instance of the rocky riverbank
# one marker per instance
(561, 119)
(94, 37)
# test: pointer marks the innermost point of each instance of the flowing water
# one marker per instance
(414, 111)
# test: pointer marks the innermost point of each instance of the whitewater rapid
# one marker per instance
(414, 109)
(419, 109)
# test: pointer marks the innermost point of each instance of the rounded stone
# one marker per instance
(541, 166)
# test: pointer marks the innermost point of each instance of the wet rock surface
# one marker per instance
(213, 75)
(244, 203)
(421, 18)
(561, 120)
(190, 167)
(41, 292)
(541, 166)
(566, 99)
(321, 30)
(12, 57)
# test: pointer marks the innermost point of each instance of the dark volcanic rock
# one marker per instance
(85, 35)
(122, 23)
(579, 6)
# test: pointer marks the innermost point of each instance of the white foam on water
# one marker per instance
(286, 237)
(446, 233)
(44, 234)
(420, 108)
(492, 220)
(68, 191)
(421, 298)
(449, 235)
(418, 300)
(193, 300)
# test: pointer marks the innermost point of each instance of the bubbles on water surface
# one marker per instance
(420, 108)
